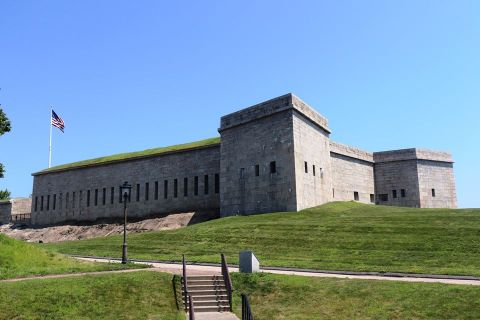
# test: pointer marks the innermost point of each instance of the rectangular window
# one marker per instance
(95, 201)
(36, 203)
(383, 197)
(333, 192)
(372, 198)
(88, 198)
(112, 194)
(156, 190)
(217, 183)
(67, 200)
(306, 166)
(104, 196)
(195, 186)
(175, 188)
(73, 199)
(48, 202)
(147, 191)
(356, 196)
(403, 193)
(205, 183)
(185, 187)
(165, 189)
(273, 167)
(54, 201)
(41, 203)
(257, 170)
(314, 171)
(394, 194)
(138, 192)
(433, 193)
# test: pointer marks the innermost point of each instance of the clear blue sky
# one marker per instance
(131, 75)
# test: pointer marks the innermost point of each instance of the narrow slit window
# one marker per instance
(88, 198)
(112, 194)
(73, 199)
(273, 167)
(41, 203)
(120, 196)
(394, 194)
(67, 200)
(217, 183)
(403, 193)
(36, 203)
(165, 189)
(138, 192)
(433, 193)
(156, 190)
(185, 187)
(356, 196)
(96, 197)
(257, 170)
(104, 196)
(147, 191)
(306, 166)
(205, 183)
(48, 202)
(314, 170)
(175, 188)
(195, 186)
(54, 201)
(333, 192)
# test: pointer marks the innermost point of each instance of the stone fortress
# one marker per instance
(273, 156)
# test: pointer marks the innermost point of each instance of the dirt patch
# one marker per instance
(93, 230)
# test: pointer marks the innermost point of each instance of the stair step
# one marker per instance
(205, 287)
(194, 281)
(211, 309)
(210, 277)
(220, 297)
(207, 293)
(211, 304)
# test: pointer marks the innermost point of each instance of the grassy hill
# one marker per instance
(137, 295)
(20, 259)
(335, 236)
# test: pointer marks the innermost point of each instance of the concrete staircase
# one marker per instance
(208, 292)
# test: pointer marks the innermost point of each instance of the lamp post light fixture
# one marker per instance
(125, 190)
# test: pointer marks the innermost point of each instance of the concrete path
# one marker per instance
(215, 316)
(196, 269)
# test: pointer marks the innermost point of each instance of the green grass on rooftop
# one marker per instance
(335, 236)
(136, 154)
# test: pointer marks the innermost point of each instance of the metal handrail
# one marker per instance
(246, 310)
(185, 290)
(191, 311)
(227, 280)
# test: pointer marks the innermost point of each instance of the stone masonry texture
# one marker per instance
(274, 156)
(13, 207)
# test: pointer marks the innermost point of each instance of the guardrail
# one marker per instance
(20, 217)
(191, 311)
(227, 280)
(246, 310)
(186, 300)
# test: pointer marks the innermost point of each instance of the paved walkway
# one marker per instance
(214, 316)
(195, 269)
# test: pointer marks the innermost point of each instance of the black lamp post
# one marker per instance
(125, 191)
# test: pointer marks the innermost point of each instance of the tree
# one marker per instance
(4, 127)
(4, 194)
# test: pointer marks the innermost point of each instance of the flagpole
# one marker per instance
(50, 146)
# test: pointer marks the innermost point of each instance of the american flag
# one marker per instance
(57, 121)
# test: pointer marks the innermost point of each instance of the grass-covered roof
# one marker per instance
(132, 155)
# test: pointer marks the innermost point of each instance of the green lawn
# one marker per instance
(291, 297)
(335, 236)
(20, 259)
(137, 295)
